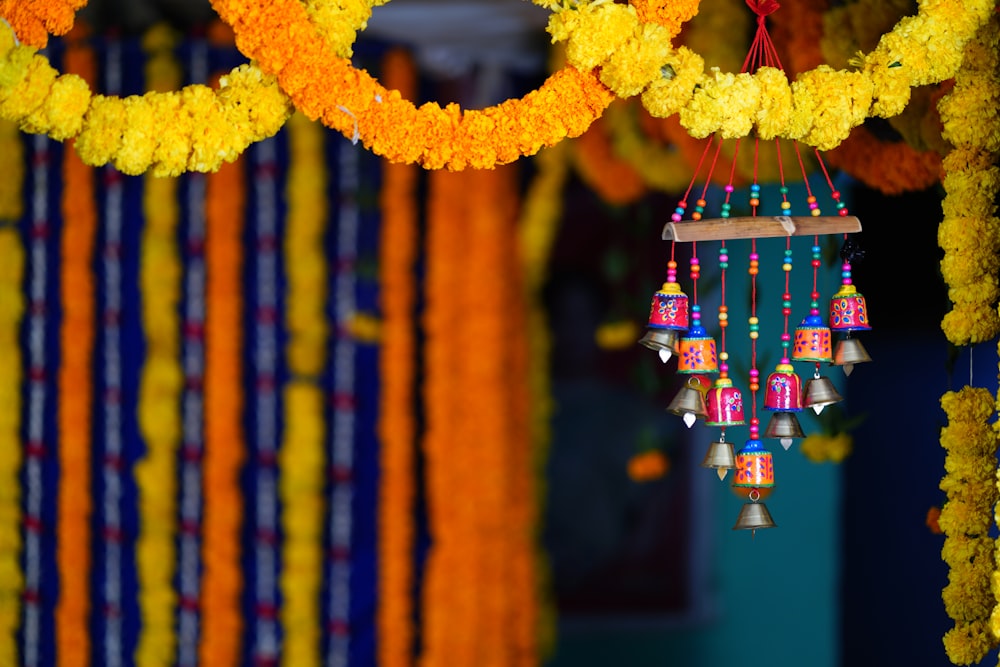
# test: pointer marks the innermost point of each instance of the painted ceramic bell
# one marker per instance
(754, 470)
(783, 390)
(669, 309)
(725, 404)
(812, 341)
(848, 311)
(697, 352)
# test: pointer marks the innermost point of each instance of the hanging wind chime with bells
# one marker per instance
(675, 329)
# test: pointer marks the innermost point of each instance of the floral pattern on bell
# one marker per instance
(848, 311)
(754, 467)
(813, 341)
(669, 308)
(783, 390)
(697, 353)
(725, 404)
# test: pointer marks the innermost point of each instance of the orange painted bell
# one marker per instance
(813, 340)
(754, 470)
(697, 352)
(725, 404)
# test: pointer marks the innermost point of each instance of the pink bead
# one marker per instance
(813, 205)
(754, 256)
(729, 188)
(676, 217)
(723, 368)
(846, 267)
(754, 373)
(785, 336)
(694, 260)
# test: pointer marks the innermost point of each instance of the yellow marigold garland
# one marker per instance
(970, 463)
(969, 234)
(161, 383)
(167, 133)
(225, 447)
(302, 458)
(79, 209)
(396, 428)
(11, 312)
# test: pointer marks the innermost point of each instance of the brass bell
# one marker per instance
(721, 456)
(753, 516)
(785, 426)
(665, 342)
(849, 351)
(689, 402)
(819, 392)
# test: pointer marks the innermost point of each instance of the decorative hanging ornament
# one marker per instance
(668, 317)
(819, 392)
(754, 481)
(725, 404)
(697, 349)
(689, 403)
(849, 313)
(721, 456)
(783, 396)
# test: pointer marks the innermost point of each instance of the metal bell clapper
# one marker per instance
(721, 456)
(725, 404)
(689, 403)
(783, 396)
(668, 317)
(819, 392)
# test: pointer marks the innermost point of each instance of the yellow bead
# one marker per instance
(723, 356)
(754, 335)
(723, 317)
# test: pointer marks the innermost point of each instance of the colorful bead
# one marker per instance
(785, 206)
(729, 188)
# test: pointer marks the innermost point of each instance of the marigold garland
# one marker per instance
(396, 428)
(11, 375)
(167, 132)
(161, 384)
(970, 463)
(225, 448)
(34, 21)
(302, 458)
(79, 209)
(969, 234)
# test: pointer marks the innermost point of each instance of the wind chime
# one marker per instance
(675, 327)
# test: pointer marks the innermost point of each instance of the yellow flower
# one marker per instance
(822, 447)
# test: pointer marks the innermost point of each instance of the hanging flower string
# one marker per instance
(75, 397)
(160, 389)
(396, 426)
(222, 625)
(11, 383)
(970, 445)
(302, 457)
(35, 21)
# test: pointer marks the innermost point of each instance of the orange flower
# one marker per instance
(648, 465)
(933, 514)
(34, 21)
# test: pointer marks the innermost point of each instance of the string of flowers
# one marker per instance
(35, 21)
(167, 133)
(222, 625)
(79, 208)
(396, 428)
(302, 457)
(449, 588)
(540, 216)
(970, 444)
(160, 386)
(969, 233)
(11, 377)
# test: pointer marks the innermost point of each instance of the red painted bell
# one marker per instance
(848, 311)
(783, 390)
(724, 404)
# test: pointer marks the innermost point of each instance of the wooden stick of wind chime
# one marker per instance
(720, 403)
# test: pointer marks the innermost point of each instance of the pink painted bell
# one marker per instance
(724, 404)
(848, 311)
(783, 391)
(669, 309)
(812, 341)
(697, 352)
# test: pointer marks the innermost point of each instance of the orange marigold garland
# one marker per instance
(75, 394)
(396, 427)
(221, 584)
(34, 20)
